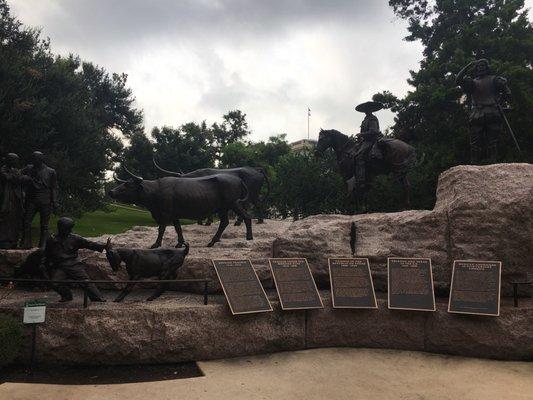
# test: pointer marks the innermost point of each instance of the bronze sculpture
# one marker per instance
(486, 91)
(253, 178)
(396, 157)
(142, 263)
(368, 136)
(61, 257)
(41, 197)
(170, 199)
(11, 202)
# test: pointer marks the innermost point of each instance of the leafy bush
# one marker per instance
(10, 338)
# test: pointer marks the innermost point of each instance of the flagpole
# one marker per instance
(308, 115)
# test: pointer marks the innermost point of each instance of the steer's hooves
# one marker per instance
(179, 245)
(150, 298)
(249, 238)
(155, 246)
(237, 223)
(210, 244)
(117, 300)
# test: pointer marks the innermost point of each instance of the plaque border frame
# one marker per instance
(224, 289)
(431, 278)
(499, 289)
(371, 283)
(276, 284)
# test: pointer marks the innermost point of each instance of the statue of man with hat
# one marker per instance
(485, 91)
(368, 136)
(41, 197)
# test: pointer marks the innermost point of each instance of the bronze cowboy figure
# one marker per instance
(41, 197)
(369, 135)
(485, 92)
(370, 154)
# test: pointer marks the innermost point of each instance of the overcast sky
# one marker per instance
(194, 60)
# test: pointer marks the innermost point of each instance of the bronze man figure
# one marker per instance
(11, 202)
(485, 91)
(41, 197)
(61, 257)
(368, 137)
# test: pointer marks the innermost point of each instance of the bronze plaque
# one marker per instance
(295, 284)
(241, 286)
(351, 283)
(410, 284)
(475, 288)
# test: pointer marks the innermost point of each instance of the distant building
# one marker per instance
(304, 144)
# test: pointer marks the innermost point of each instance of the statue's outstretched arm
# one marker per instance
(460, 76)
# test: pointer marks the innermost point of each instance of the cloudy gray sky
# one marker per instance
(196, 59)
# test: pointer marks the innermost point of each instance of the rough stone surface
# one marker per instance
(405, 234)
(174, 328)
(482, 212)
(508, 336)
(489, 210)
(373, 328)
(177, 327)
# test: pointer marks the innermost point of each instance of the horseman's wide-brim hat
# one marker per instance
(369, 106)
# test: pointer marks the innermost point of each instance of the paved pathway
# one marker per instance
(339, 373)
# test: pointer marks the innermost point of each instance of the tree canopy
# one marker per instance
(85, 121)
(70, 110)
(433, 116)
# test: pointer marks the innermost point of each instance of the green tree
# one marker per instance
(187, 148)
(433, 116)
(261, 154)
(305, 185)
(233, 128)
(138, 156)
(66, 108)
(238, 154)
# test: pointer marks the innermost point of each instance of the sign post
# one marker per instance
(34, 314)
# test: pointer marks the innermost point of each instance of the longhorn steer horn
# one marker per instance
(115, 176)
(138, 178)
(166, 171)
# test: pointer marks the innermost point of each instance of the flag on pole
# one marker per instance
(308, 112)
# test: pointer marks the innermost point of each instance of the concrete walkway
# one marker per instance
(339, 373)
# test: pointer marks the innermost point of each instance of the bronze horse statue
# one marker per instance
(397, 157)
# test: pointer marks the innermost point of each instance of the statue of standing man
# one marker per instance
(11, 202)
(485, 91)
(41, 197)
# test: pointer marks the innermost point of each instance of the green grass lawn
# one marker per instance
(118, 219)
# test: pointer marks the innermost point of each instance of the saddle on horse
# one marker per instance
(354, 147)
